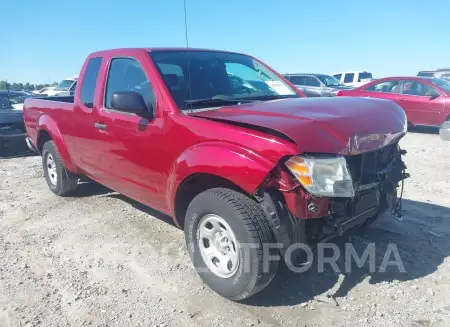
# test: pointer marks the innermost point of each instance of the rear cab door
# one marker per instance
(86, 139)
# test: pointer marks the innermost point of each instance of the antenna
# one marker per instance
(187, 54)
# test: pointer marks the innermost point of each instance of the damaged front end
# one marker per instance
(376, 176)
(370, 189)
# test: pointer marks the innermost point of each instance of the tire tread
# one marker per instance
(69, 181)
(259, 229)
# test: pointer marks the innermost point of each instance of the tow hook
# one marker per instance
(313, 207)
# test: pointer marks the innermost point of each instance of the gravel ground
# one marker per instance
(101, 259)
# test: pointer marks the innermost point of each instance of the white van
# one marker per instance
(354, 79)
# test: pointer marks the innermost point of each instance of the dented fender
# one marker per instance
(237, 164)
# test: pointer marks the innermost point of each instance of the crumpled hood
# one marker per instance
(338, 125)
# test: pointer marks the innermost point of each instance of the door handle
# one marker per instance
(100, 126)
(402, 99)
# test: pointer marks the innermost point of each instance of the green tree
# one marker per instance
(3, 85)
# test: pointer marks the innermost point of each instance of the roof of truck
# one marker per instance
(109, 51)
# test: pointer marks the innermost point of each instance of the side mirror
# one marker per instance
(433, 96)
(129, 101)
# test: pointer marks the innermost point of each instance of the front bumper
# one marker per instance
(444, 131)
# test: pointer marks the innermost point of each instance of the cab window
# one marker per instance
(297, 80)
(126, 74)
(312, 81)
(348, 78)
(385, 87)
(418, 89)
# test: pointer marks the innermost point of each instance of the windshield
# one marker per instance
(442, 83)
(329, 80)
(217, 75)
(64, 85)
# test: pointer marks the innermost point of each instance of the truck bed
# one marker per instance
(68, 99)
(46, 111)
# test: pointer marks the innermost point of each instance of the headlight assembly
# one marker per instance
(323, 176)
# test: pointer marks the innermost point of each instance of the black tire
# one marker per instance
(250, 226)
(65, 182)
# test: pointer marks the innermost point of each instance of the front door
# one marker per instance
(131, 158)
(421, 102)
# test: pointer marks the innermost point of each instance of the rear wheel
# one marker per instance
(59, 180)
(226, 232)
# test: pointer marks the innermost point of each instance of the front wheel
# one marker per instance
(230, 243)
(59, 180)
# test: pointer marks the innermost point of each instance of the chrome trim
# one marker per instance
(29, 144)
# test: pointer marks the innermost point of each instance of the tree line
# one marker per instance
(4, 85)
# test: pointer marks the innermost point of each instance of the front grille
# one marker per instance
(364, 167)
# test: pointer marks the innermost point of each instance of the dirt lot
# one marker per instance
(101, 259)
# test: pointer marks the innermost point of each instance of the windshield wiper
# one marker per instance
(266, 97)
(217, 100)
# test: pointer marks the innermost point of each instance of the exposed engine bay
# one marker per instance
(376, 177)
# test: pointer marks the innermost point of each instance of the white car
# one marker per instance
(354, 78)
(43, 90)
(65, 88)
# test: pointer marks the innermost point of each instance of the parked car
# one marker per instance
(44, 90)
(316, 85)
(12, 128)
(426, 101)
(443, 73)
(231, 165)
(354, 79)
(15, 98)
(65, 88)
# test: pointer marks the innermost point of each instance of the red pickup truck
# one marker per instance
(228, 148)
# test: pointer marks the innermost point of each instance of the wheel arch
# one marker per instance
(49, 130)
(195, 184)
(227, 165)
